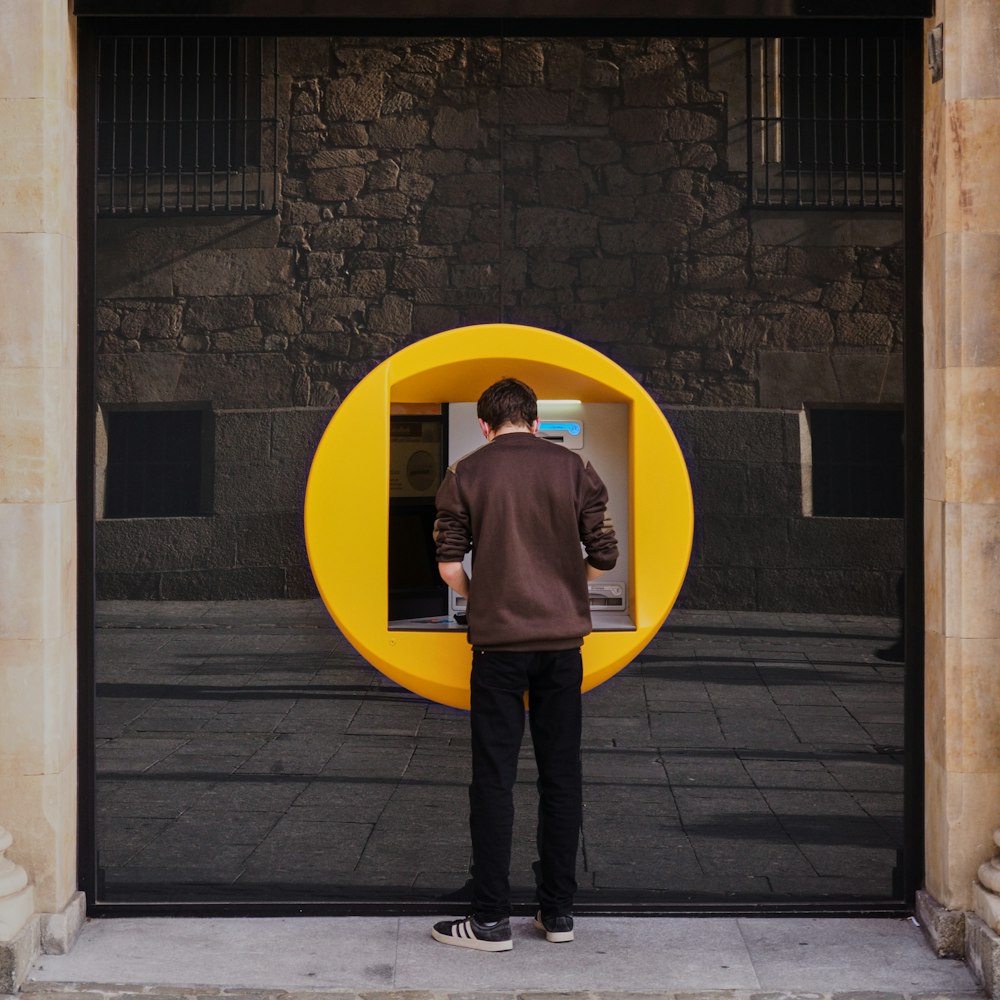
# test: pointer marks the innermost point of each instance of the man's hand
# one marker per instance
(592, 571)
(453, 574)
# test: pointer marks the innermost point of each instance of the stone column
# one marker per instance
(962, 442)
(38, 445)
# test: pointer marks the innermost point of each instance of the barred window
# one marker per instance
(824, 122)
(857, 462)
(158, 462)
(186, 125)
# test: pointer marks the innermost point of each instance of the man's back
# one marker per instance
(525, 505)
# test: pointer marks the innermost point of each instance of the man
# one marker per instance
(523, 505)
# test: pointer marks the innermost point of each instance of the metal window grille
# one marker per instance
(824, 122)
(187, 125)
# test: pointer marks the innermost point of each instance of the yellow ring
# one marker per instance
(346, 505)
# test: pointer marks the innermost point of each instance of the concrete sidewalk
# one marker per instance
(770, 958)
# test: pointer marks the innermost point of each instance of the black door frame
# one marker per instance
(552, 18)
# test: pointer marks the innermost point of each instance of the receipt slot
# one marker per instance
(369, 498)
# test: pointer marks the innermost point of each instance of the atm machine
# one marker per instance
(598, 432)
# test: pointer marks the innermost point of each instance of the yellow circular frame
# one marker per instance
(347, 499)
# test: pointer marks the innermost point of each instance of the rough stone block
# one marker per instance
(720, 488)
(554, 227)
(647, 125)
(982, 954)
(332, 313)
(416, 272)
(774, 488)
(733, 588)
(803, 328)
(305, 57)
(717, 272)
(337, 184)
(273, 539)
(848, 543)
(590, 109)
(523, 63)
(753, 542)
(600, 152)
(445, 225)
(562, 189)
(604, 272)
(698, 155)
(59, 931)
(150, 545)
(601, 73)
(352, 99)
(670, 207)
(18, 955)
(825, 591)
(329, 159)
(397, 236)
(385, 175)
(642, 237)
(242, 437)
(340, 234)
(826, 263)
(242, 584)
(468, 189)
(392, 315)
(157, 320)
(564, 66)
(275, 486)
(218, 313)
(368, 283)
(864, 329)
(233, 272)
(404, 132)
(279, 314)
(943, 928)
(296, 433)
(654, 80)
(346, 135)
(732, 238)
(243, 380)
(248, 340)
(127, 586)
(456, 128)
(534, 106)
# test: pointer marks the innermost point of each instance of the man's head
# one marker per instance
(508, 401)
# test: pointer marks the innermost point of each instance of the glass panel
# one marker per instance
(593, 186)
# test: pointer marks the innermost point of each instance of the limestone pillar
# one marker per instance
(962, 442)
(38, 450)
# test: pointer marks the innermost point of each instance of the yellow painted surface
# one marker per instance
(347, 502)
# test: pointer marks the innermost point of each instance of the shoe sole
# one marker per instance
(556, 937)
(475, 943)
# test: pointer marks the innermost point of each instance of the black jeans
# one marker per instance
(499, 681)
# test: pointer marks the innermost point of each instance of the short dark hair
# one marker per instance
(508, 401)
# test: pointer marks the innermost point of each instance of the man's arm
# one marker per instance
(453, 574)
(452, 537)
(596, 529)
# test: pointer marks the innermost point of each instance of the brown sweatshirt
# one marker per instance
(524, 505)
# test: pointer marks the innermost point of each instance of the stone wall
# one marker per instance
(579, 185)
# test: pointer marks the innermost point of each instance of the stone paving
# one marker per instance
(245, 751)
